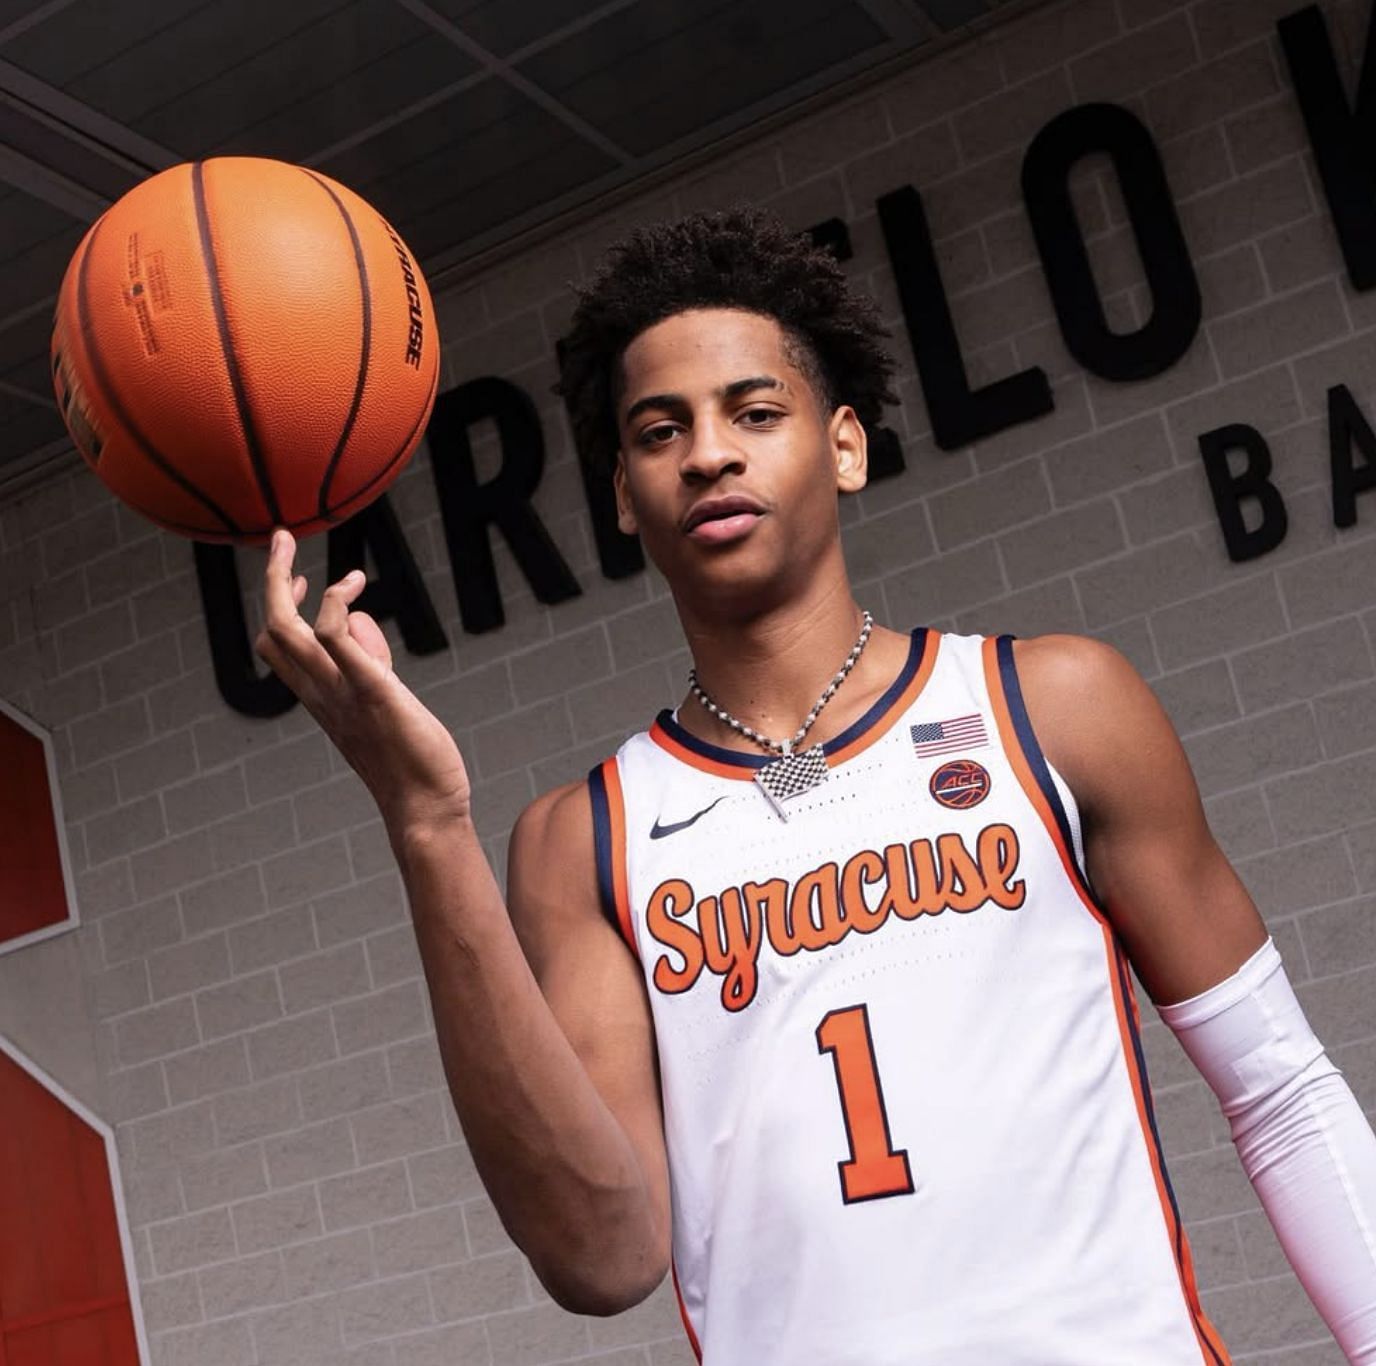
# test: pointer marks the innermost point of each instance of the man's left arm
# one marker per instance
(1201, 949)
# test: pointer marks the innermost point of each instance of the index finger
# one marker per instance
(278, 598)
(284, 625)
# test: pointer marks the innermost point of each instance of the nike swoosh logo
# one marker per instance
(658, 831)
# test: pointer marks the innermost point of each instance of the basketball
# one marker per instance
(241, 344)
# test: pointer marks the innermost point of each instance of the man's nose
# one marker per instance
(715, 450)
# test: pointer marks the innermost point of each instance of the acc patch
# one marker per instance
(960, 784)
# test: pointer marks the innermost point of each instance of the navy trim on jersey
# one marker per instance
(602, 845)
(917, 647)
(1036, 760)
(707, 749)
(873, 715)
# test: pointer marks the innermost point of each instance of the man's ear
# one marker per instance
(625, 516)
(851, 449)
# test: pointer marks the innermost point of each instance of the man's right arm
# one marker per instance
(545, 1031)
(553, 1079)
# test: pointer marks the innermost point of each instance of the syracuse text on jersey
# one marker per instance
(823, 906)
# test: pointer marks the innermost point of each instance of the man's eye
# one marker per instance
(759, 417)
(658, 435)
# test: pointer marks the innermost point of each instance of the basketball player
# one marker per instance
(820, 985)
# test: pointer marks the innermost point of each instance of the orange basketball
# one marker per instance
(242, 344)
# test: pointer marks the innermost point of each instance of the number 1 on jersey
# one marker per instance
(874, 1169)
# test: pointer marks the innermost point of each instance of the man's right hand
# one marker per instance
(341, 668)
(549, 1052)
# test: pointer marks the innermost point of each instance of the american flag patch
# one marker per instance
(931, 738)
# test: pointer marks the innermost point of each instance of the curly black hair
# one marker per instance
(741, 258)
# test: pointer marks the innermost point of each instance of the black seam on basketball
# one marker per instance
(101, 376)
(339, 515)
(323, 505)
(236, 379)
(411, 437)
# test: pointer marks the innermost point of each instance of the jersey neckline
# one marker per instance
(680, 742)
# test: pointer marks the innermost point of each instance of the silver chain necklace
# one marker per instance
(794, 771)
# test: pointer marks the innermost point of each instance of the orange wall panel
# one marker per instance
(32, 894)
(64, 1299)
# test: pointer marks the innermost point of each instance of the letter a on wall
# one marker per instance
(35, 873)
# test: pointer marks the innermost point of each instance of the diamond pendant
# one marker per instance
(790, 775)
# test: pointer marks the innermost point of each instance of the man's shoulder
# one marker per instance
(552, 862)
(1065, 662)
(1095, 716)
(564, 815)
(559, 817)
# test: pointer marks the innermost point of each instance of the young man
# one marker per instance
(822, 982)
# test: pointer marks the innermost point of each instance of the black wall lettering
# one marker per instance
(885, 449)
(1175, 301)
(833, 235)
(959, 414)
(397, 590)
(619, 555)
(468, 508)
(231, 652)
(1348, 433)
(1253, 482)
(885, 454)
(1341, 136)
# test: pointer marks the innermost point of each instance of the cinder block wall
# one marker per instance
(246, 974)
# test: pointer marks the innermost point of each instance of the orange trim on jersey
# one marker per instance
(616, 813)
(876, 728)
(1214, 1349)
(1211, 1347)
(683, 1312)
(880, 727)
(1012, 746)
(665, 741)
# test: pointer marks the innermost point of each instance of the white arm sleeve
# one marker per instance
(1302, 1138)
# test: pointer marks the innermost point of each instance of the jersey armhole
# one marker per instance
(1044, 789)
(1072, 816)
(1057, 804)
(609, 847)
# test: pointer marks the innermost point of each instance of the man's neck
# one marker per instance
(768, 670)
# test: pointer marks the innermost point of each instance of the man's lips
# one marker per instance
(720, 518)
(720, 530)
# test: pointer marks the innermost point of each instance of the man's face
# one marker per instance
(729, 464)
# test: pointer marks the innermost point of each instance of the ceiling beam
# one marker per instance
(25, 395)
(901, 20)
(505, 72)
(52, 187)
(118, 143)
(32, 19)
(951, 14)
(20, 473)
(592, 15)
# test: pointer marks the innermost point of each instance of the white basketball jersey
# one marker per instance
(905, 1103)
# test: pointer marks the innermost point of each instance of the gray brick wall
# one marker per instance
(296, 1182)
